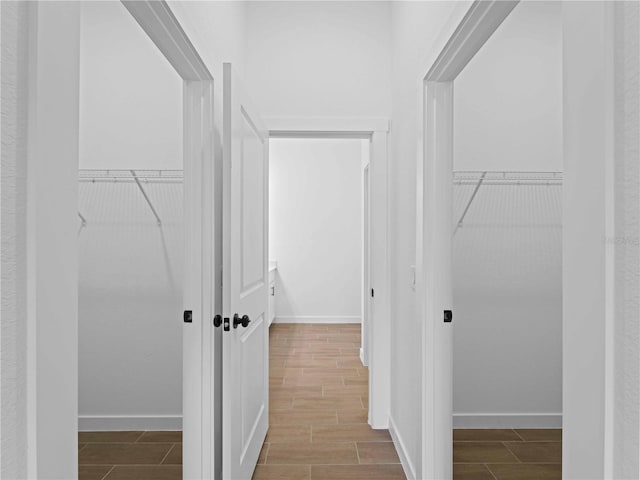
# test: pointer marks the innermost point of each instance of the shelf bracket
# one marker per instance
(146, 197)
(473, 195)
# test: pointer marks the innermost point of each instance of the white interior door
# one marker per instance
(245, 284)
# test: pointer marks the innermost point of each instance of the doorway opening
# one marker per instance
(145, 231)
(319, 235)
(492, 241)
(507, 248)
(131, 250)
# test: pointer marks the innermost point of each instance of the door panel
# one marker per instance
(245, 284)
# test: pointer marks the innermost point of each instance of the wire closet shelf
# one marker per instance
(115, 176)
(481, 179)
(138, 177)
(506, 178)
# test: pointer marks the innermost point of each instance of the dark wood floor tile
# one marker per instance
(348, 433)
(536, 452)
(482, 452)
(377, 452)
(263, 454)
(349, 362)
(308, 391)
(282, 472)
(288, 433)
(540, 434)
(312, 380)
(124, 453)
(527, 471)
(109, 437)
(356, 380)
(471, 471)
(302, 417)
(312, 454)
(161, 437)
(328, 403)
(485, 435)
(174, 457)
(357, 472)
(353, 416)
(92, 473)
(348, 390)
(162, 472)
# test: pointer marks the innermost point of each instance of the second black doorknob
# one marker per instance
(244, 321)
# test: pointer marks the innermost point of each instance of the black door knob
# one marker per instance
(244, 321)
(217, 320)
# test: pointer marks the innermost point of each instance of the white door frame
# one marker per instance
(52, 240)
(366, 259)
(588, 344)
(162, 27)
(379, 332)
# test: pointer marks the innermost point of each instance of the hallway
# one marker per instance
(318, 411)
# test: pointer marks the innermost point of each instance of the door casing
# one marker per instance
(379, 327)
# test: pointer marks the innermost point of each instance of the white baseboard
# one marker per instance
(405, 461)
(108, 423)
(317, 319)
(507, 420)
(364, 364)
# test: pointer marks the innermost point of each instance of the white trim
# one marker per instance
(434, 289)
(407, 465)
(111, 423)
(507, 420)
(276, 125)
(364, 364)
(317, 319)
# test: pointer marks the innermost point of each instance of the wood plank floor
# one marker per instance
(318, 412)
(318, 427)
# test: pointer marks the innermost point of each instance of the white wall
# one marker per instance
(319, 59)
(13, 355)
(507, 259)
(130, 307)
(417, 32)
(130, 96)
(508, 99)
(130, 273)
(626, 461)
(314, 228)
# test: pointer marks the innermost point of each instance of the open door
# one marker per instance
(245, 378)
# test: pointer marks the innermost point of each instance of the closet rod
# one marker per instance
(144, 194)
(536, 182)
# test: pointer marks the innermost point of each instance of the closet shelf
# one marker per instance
(137, 177)
(479, 179)
(130, 176)
(506, 178)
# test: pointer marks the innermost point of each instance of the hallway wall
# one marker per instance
(319, 59)
(419, 30)
(315, 230)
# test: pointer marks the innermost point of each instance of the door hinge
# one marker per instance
(372, 293)
(448, 316)
(187, 316)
